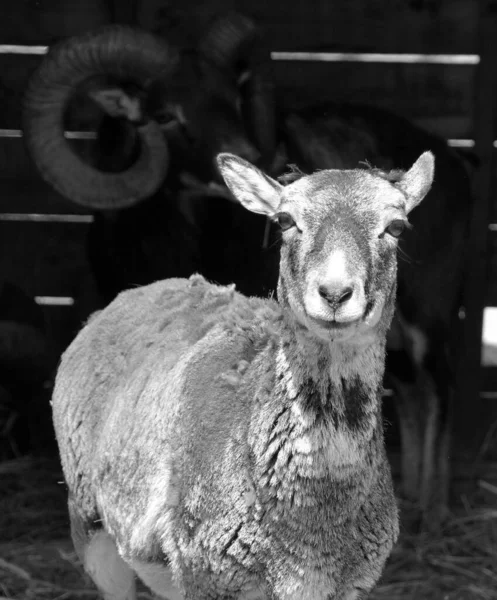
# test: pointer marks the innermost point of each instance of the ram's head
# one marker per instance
(165, 112)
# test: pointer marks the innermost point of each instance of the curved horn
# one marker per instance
(235, 39)
(259, 107)
(117, 51)
(227, 39)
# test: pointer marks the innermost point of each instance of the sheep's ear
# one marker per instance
(256, 191)
(117, 103)
(416, 182)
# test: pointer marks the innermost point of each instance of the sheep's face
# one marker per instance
(338, 256)
(199, 109)
(340, 231)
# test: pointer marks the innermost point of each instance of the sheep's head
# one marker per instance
(200, 113)
(339, 240)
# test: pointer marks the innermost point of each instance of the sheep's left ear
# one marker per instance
(416, 182)
(255, 190)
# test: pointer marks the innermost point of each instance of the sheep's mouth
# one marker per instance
(333, 324)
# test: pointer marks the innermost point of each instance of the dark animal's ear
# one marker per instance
(255, 190)
(416, 182)
(258, 107)
(116, 102)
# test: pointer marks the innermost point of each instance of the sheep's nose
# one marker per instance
(336, 293)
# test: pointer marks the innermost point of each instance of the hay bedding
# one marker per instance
(37, 561)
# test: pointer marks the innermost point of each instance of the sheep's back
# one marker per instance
(127, 377)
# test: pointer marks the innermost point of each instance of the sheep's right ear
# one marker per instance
(256, 191)
(416, 182)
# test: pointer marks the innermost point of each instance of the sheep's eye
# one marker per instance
(396, 228)
(285, 221)
(166, 119)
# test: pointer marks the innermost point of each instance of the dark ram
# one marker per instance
(157, 214)
(166, 113)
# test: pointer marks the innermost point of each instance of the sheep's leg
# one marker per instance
(435, 478)
(407, 403)
(430, 426)
(98, 553)
(158, 577)
(113, 577)
(425, 438)
(421, 379)
(402, 375)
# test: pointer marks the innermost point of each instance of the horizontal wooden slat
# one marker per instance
(23, 49)
(400, 58)
(361, 25)
(54, 301)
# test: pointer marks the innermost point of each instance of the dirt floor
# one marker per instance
(37, 561)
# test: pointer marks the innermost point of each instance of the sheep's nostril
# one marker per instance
(346, 295)
(323, 292)
(335, 296)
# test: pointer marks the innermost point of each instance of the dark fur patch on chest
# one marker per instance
(344, 405)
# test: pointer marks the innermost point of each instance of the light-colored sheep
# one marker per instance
(221, 446)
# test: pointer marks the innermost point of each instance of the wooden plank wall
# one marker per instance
(440, 97)
(45, 259)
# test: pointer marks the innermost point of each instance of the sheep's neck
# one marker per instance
(323, 414)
